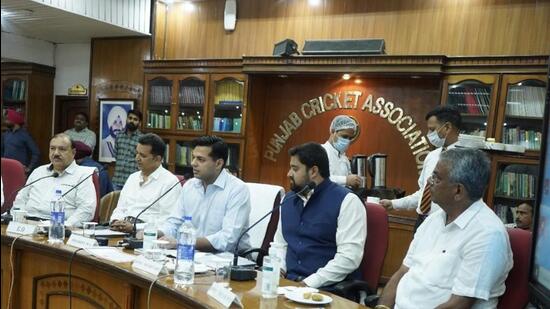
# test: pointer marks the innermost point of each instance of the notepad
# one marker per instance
(111, 254)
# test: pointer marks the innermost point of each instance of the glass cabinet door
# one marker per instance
(234, 158)
(522, 123)
(191, 99)
(159, 103)
(14, 94)
(516, 184)
(473, 99)
(183, 159)
(228, 105)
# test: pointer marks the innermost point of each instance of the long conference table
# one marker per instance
(41, 281)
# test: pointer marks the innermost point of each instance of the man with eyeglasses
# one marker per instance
(460, 256)
(342, 130)
(443, 129)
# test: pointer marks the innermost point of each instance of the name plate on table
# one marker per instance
(21, 228)
(80, 241)
(223, 295)
(144, 264)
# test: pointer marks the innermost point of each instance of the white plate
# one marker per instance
(298, 296)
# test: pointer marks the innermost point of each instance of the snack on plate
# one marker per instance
(307, 295)
(316, 297)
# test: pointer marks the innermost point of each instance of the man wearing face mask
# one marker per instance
(342, 129)
(443, 129)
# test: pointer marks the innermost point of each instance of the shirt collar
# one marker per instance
(69, 169)
(332, 149)
(220, 182)
(154, 175)
(466, 216)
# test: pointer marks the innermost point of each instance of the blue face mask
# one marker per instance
(341, 144)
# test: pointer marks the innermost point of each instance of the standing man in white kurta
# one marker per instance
(342, 130)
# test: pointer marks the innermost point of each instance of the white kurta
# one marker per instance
(339, 164)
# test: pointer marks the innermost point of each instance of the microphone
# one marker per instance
(8, 217)
(134, 243)
(96, 170)
(239, 273)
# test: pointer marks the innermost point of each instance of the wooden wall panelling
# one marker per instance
(255, 127)
(483, 27)
(401, 235)
(286, 95)
(116, 71)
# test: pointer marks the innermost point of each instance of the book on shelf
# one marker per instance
(525, 101)
(183, 155)
(229, 91)
(160, 95)
(516, 185)
(158, 121)
(191, 95)
(14, 90)
(530, 139)
(470, 100)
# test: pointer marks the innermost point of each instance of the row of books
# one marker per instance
(14, 90)
(516, 185)
(506, 213)
(191, 95)
(184, 155)
(160, 95)
(470, 100)
(189, 123)
(227, 124)
(525, 101)
(158, 121)
(529, 138)
(229, 90)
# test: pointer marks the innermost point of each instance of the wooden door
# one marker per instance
(66, 107)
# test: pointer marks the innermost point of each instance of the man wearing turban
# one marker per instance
(17, 143)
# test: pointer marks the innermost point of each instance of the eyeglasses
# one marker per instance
(434, 179)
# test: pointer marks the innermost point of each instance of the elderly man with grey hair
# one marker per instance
(342, 130)
(460, 256)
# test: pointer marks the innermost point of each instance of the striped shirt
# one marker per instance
(125, 155)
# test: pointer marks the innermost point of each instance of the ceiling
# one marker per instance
(38, 21)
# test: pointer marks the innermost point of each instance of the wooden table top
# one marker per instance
(195, 295)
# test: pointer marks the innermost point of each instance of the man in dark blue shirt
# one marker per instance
(18, 144)
(83, 158)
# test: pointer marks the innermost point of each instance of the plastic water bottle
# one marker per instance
(149, 234)
(56, 233)
(270, 274)
(184, 273)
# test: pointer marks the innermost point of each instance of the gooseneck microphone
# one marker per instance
(134, 243)
(244, 273)
(96, 170)
(8, 217)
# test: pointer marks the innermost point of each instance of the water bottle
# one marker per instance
(270, 274)
(149, 234)
(184, 273)
(56, 233)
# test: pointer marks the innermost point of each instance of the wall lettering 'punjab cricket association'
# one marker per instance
(418, 144)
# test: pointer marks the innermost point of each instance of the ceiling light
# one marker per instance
(358, 81)
(314, 2)
(346, 76)
(188, 6)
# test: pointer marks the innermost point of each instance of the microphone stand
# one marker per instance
(132, 242)
(8, 217)
(239, 273)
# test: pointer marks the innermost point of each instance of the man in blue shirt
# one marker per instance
(83, 158)
(18, 144)
(218, 202)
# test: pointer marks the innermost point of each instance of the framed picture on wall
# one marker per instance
(112, 113)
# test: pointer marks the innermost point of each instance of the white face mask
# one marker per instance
(435, 139)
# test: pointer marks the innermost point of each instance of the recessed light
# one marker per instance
(346, 76)
(314, 2)
(358, 81)
(188, 6)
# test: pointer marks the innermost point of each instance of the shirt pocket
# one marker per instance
(440, 269)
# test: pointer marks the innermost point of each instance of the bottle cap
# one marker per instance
(185, 218)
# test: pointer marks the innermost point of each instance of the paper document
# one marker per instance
(111, 254)
(214, 260)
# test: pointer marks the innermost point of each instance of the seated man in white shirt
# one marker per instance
(342, 130)
(460, 256)
(80, 203)
(218, 202)
(322, 230)
(145, 186)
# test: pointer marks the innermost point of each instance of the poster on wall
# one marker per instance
(112, 121)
